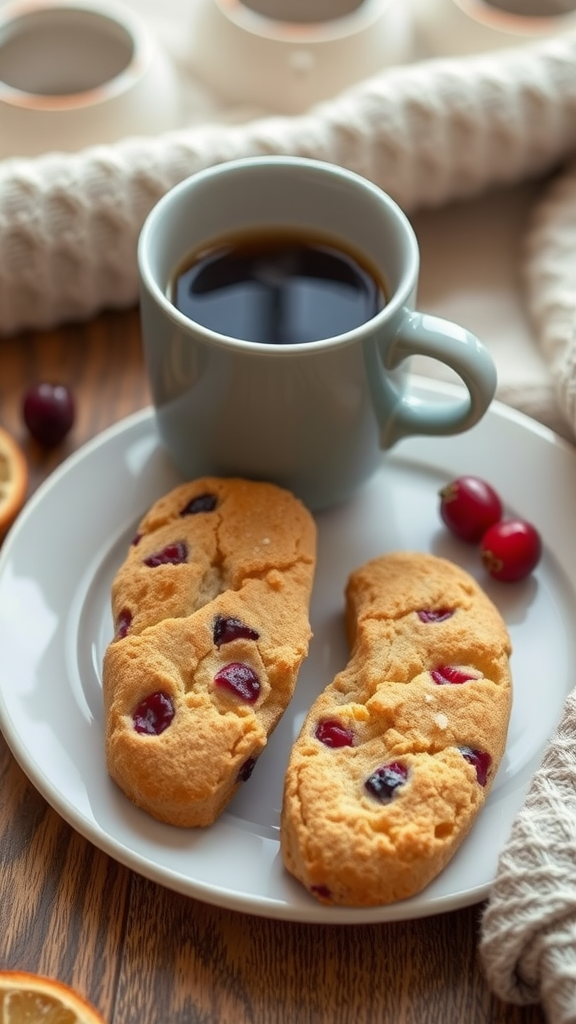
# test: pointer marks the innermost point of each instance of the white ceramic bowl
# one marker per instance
(75, 74)
(453, 27)
(286, 55)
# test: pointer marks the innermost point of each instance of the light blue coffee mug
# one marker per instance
(313, 417)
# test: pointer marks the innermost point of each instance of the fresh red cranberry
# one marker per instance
(226, 630)
(384, 782)
(480, 760)
(332, 733)
(172, 554)
(435, 614)
(48, 411)
(123, 623)
(468, 506)
(239, 679)
(154, 714)
(246, 770)
(202, 503)
(510, 550)
(449, 674)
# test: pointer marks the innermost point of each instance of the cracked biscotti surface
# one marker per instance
(397, 755)
(211, 624)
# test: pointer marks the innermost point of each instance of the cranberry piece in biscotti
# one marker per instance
(322, 892)
(226, 630)
(246, 769)
(480, 760)
(201, 503)
(172, 554)
(435, 614)
(450, 675)
(239, 679)
(332, 733)
(123, 623)
(384, 782)
(153, 714)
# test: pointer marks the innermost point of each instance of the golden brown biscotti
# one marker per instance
(397, 755)
(211, 623)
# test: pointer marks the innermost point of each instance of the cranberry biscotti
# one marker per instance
(397, 755)
(211, 623)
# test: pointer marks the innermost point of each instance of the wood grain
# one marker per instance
(141, 953)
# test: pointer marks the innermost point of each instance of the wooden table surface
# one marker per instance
(141, 953)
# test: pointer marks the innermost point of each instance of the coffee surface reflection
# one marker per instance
(279, 288)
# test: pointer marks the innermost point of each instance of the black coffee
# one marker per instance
(280, 288)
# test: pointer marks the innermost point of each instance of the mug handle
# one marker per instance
(403, 414)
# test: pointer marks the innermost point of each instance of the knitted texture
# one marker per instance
(550, 277)
(528, 940)
(426, 132)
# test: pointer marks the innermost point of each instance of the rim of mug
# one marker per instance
(119, 19)
(360, 19)
(392, 308)
(489, 15)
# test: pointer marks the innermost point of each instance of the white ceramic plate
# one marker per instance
(56, 567)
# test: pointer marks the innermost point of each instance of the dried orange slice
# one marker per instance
(13, 480)
(32, 999)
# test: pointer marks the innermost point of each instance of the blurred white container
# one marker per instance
(286, 55)
(453, 27)
(75, 74)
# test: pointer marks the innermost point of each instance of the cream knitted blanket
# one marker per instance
(550, 275)
(528, 944)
